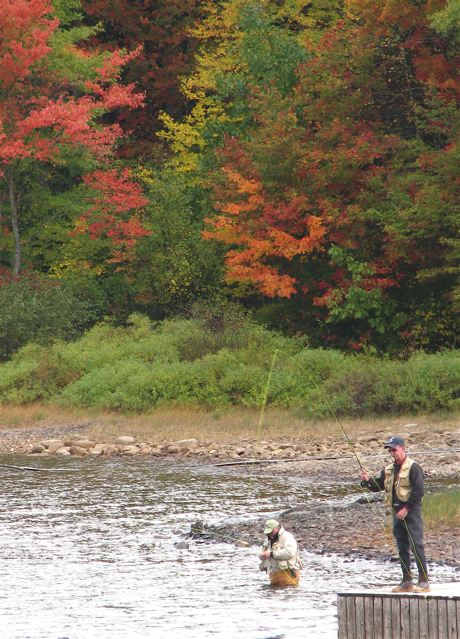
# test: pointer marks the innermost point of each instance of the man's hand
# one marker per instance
(402, 513)
(265, 554)
(365, 475)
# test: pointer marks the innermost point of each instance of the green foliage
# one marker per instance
(35, 374)
(447, 23)
(174, 266)
(41, 310)
(365, 385)
(220, 362)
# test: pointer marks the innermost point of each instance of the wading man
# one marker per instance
(280, 555)
(402, 481)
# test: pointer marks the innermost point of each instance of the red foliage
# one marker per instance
(40, 114)
(114, 212)
(37, 115)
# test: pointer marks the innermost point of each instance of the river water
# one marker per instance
(90, 554)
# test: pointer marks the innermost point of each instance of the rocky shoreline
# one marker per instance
(354, 529)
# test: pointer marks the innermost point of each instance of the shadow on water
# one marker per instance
(100, 552)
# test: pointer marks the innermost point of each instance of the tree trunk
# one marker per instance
(15, 226)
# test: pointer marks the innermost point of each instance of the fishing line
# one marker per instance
(260, 426)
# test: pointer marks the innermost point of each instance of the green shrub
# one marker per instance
(144, 365)
(41, 310)
(432, 382)
(35, 373)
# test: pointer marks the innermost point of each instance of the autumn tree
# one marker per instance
(333, 180)
(52, 96)
(161, 29)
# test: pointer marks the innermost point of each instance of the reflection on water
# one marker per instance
(90, 554)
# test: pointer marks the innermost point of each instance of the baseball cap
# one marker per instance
(270, 525)
(394, 441)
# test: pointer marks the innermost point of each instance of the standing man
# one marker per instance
(402, 481)
(280, 556)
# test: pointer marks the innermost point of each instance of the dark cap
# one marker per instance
(394, 441)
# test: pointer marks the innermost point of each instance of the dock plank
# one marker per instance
(453, 628)
(414, 617)
(423, 619)
(351, 617)
(432, 605)
(387, 626)
(405, 618)
(396, 617)
(342, 617)
(442, 619)
(378, 617)
(360, 623)
(369, 617)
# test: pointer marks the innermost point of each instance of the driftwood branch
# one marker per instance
(46, 470)
(419, 453)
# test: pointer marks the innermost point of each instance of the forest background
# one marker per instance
(192, 192)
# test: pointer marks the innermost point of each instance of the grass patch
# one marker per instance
(230, 425)
(442, 510)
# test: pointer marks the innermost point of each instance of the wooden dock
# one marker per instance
(379, 614)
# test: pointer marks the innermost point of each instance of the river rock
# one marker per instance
(110, 449)
(239, 543)
(55, 446)
(54, 443)
(77, 450)
(181, 545)
(38, 448)
(172, 449)
(125, 440)
(84, 443)
(97, 450)
(130, 450)
(145, 450)
(186, 444)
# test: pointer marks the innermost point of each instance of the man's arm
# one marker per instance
(417, 482)
(374, 484)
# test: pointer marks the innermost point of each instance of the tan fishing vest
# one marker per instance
(403, 487)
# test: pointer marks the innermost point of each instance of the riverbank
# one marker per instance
(285, 445)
